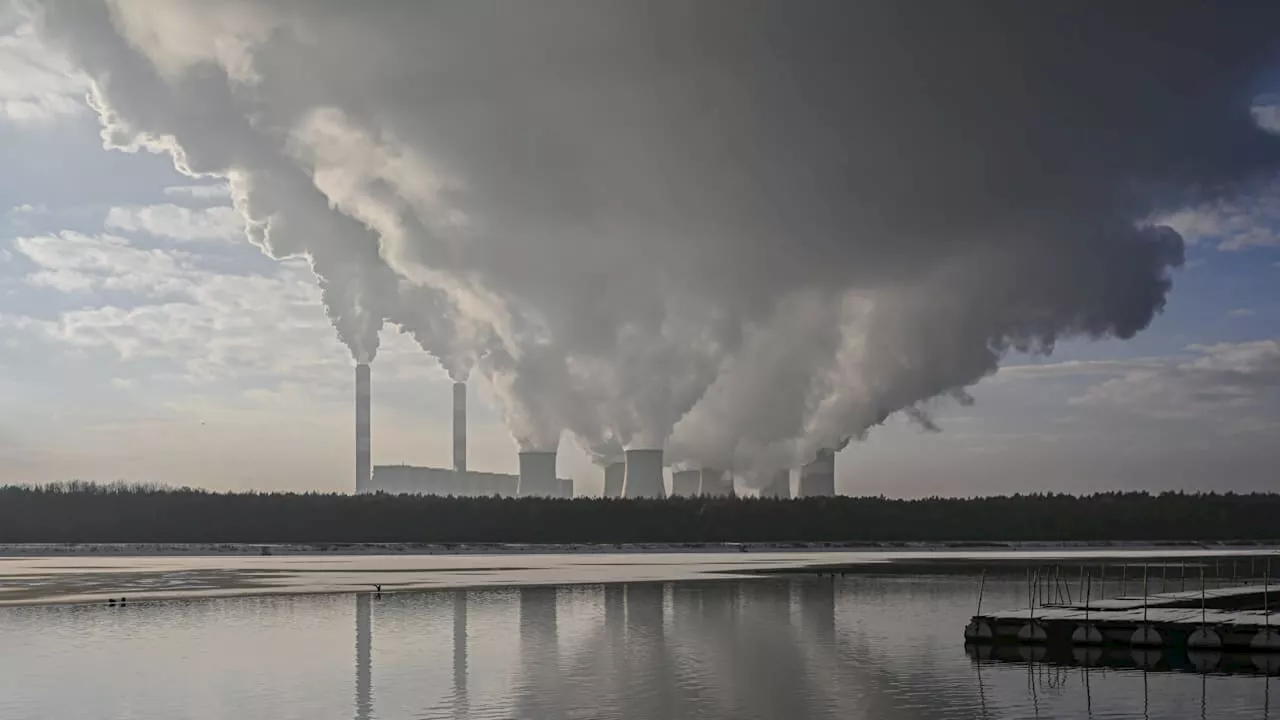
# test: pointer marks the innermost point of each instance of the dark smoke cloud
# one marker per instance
(762, 226)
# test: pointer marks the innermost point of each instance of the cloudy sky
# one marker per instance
(144, 337)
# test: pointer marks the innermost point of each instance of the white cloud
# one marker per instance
(179, 223)
(1231, 225)
(36, 84)
(1071, 368)
(199, 192)
(1266, 112)
(1242, 312)
(75, 263)
(1234, 379)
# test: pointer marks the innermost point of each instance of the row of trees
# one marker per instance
(81, 512)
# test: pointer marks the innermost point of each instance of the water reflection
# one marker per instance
(882, 648)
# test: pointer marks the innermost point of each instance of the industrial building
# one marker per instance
(639, 475)
(537, 470)
(818, 478)
(779, 486)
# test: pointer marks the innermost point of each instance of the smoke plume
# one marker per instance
(741, 229)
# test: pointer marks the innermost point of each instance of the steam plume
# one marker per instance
(761, 226)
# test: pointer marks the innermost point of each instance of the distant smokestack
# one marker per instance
(684, 483)
(364, 455)
(460, 427)
(614, 474)
(818, 478)
(715, 483)
(779, 486)
(538, 475)
(643, 478)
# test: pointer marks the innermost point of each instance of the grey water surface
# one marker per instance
(875, 647)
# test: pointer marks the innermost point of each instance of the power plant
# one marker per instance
(684, 483)
(779, 486)
(818, 478)
(639, 475)
(614, 475)
(537, 470)
(643, 476)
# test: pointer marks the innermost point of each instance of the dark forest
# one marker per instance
(84, 513)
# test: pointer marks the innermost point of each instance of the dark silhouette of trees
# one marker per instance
(84, 512)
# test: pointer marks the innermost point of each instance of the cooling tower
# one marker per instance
(779, 486)
(614, 474)
(460, 428)
(684, 483)
(566, 487)
(364, 457)
(818, 478)
(715, 483)
(643, 477)
(538, 475)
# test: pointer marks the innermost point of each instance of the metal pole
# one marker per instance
(1033, 605)
(1124, 578)
(1266, 601)
(1082, 591)
(1089, 587)
(1102, 587)
(1203, 611)
(1144, 593)
(1184, 575)
(982, 582)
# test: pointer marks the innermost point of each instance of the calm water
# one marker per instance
(876, 647)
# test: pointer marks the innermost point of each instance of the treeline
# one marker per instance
(81, 512)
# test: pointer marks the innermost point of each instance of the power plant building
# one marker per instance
(779, 486)
(818, 478)
(457, 481)
(684, 483)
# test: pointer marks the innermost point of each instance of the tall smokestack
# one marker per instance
(364, 464)
(818, 478)
(614, 474)
(538, 475)
(643, 477)
(715, 483)
(460, 428)
(779, 486)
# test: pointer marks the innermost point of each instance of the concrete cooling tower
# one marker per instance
(779, 486)
(684, 483)
(538, 475)
(715, 483)
(643, 477)
(818, 478)
(364, 455)
(614, 475)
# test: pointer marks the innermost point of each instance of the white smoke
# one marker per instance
(742, 230)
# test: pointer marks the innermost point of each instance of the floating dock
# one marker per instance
(1220, 619)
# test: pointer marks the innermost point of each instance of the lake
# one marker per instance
(882, 647)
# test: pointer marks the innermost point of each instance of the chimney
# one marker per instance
(614, 473)
(684, 483)
(643, 476)
(818, 478)
(538, 475)
(364, 465)
(460, 428)
(779, 486)
(715, 483)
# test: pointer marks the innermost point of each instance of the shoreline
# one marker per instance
(342, 549)
(80, 578)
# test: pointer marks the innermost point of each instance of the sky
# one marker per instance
(152, 329)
